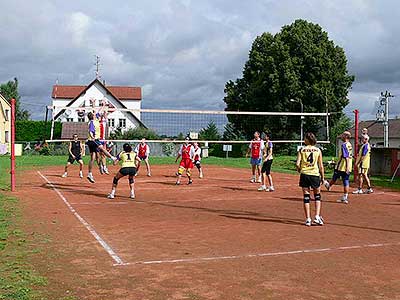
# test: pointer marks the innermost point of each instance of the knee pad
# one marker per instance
(181, 170)
(318, 197)
(306, 198)
(131, 180)
(115, 180)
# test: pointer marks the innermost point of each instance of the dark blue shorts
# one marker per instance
(343, 175)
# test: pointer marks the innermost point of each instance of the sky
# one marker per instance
(182, 52)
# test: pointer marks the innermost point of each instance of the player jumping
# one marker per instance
(129, 161)
(76, 150)
(186, 151)
(143, 151)
(309, 165)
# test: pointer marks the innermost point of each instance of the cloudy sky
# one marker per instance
(181, 52)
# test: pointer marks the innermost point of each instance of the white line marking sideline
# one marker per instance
(203, 259)
(105, 246)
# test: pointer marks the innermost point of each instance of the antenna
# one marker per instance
(97, 64)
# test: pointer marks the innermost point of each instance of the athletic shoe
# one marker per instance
(149, 175)
(105, 170)
(308, 222)
(327, 185)
(177, 183)
(252, 180)
(132, 195)
(259, 180)
(319, 220)
(110, 196)
(80, 174)
(64, 175)
(358, 191)
(271, 189)
(190, 182)
(101, 170)
(90, 178)
(114, 159)
(343, 200)
(262, 188)
(370, 191)
(201, 175)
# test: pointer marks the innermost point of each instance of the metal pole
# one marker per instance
(327, 120)
(386, 123)
(356, 122)
(12, 172)
(52, 124)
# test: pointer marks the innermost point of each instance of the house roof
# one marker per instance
(375, 129)
(120, 92)
(108, 91)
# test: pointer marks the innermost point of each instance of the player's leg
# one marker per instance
(181, 169)
(317, 197)
(80, 161)
(335, 177)
(106, 153)
(93, 156)
(259, 179)
(269, 176)
(306, 201)
(263, 186)
(346, 187)
(253, 172)
(189, 175)
(116, 178)
(66, 169)
(138, 167)
(368, 182)
(104, 164)
(132, 186)
(146, 161)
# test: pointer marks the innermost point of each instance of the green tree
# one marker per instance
(299, 62)
(210, 133)
(10, 90)
(134, 134)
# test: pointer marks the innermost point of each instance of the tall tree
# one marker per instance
(10, 90)
(299, 62)
(210, 133)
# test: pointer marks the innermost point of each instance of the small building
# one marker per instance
(80, 98)
(5, 125)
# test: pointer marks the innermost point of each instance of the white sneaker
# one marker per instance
(101, 170)
(271, 189)
(358, 191)
(90, 178)
(80, 174)
(319, 220)
(370, 191)
(105, 170)
(110, 196)
(262, 188)
(149, 175)
(132, 195)
(308, 222)
(201, 175)
(114, 159)
(252, 180)
(259, 180)
(343, 199)
(327, 185)
(64, 175)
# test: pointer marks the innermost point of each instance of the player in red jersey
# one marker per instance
(256, 149)
(143, 151)
(186, 151)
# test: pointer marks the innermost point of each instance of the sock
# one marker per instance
(345, 196)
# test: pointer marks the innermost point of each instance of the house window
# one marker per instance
(111, 122)
(70, 119)
(7, 114)
(81, 120)
(7, 137)
(122, 123)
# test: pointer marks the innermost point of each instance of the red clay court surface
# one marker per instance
(217, 239)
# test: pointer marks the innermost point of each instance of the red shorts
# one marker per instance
(186, 163)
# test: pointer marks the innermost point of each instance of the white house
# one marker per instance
(79, 98)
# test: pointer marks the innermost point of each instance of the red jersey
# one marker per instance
(186, 151)
(257, 147)
(142, 150)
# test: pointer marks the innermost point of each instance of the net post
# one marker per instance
(52, 124)
(356, 121)
(12, 168)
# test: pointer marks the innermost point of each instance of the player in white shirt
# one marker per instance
(197, 158)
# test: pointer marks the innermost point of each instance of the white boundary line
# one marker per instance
(106, 247)
(231, 257)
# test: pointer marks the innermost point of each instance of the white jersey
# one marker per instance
(197, 154)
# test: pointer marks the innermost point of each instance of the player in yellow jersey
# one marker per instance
(129, 161)
(363, 163)
(309, 165)
(343, 167)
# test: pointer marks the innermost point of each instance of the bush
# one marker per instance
(134, 134)
(36, 130)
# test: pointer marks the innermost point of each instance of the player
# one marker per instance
(363, 163)
(76, 150)
(266, 167)
(101, 157)
(186, 151)
(129, 161)
(256, 149)
(197, 158)
(343, 167)
(309, 165)
(143, 151)
(94, 144)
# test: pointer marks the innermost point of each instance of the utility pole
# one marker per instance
(385, 114)
(97, 64)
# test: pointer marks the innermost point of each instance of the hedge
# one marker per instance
(36, 130)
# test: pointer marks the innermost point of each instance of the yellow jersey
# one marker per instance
(364, 155)
(309, 156)
(346, 151)
(128, 159)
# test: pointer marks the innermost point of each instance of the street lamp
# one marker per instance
(302, 117)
